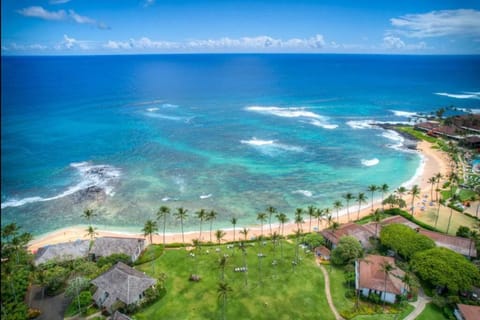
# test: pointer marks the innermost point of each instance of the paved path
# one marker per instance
(327, 291)
(419, 305)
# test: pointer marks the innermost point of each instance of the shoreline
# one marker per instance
(432, 162)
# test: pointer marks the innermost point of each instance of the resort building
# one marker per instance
(62, 252)
(106, 246)
(370, 278)
(377, 226)
(464, 246)
(467, 312)
(117, 315)
(362, 234)
(322, 252)
(121, 285)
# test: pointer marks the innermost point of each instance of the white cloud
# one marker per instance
(391, 42)
(69, 43)
(80, 19)
(39, 12)
(438, 23)
(58, 1)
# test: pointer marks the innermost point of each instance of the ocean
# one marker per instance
(231, 133)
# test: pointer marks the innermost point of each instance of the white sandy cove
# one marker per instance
(434, 161)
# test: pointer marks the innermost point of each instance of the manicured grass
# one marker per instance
(417, 134)
(271, 292)
(458, 219)
(153, 251)
(431, 311)
(393, 316)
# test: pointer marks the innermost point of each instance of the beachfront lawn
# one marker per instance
(417, 134)
(266, 291)
(345, 303)
(458, 219)
(431, 311)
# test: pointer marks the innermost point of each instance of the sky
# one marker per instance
(85, 27)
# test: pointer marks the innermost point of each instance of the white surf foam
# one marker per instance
(169, 105)
(296, 112)
(306, 193)
(469, 110)
(463, 95)
(370, 162)
(91, 176)
(405, 114)
(153, 109)
(205, 196)
(418, 173)
(268, 146)
(361, 124)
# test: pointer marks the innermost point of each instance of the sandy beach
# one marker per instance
(433, 162)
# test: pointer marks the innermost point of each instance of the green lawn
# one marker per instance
(345, 305)
(271, 292)
(431, 311)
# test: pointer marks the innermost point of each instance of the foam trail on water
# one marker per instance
(406, 114)
(91, 176)
(270, 146)
(306, 193)
(205, 196)
(301, 113)
(370, 162)
(464, 95)
(361, 124)
(152, 109)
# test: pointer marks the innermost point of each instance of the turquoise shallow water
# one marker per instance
(233, 133)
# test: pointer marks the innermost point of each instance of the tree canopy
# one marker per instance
(347, 250)
(404, 240)
(313, 240)
(446, 268)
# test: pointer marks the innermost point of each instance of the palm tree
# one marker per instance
(244, 231)
(329, 220)
(299, 221)
(401, 191)
(384, 189)
(149, 229)
(222, 264)
(88, 214)
(376, 218)
(415, 192)
(162, 213)
(271, 210)
(327, 212)
(318, 214)
(282, 219)
(372, 188)
(386, 268)
(361, 198)
(223, 290)
(234, 222)
(212, 215)
(262, 217)
(337, 205)
(440, 202)
(438, 178)
(201, 215)
(219, 234)
(335, 226)
(432, 181)
(298, 213)
(453, 199)
(348, 197)
(311, 211)
(181, 215)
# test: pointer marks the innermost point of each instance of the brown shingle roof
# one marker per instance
(457, 244)
(122, 283)
(427, 125)
(469, 312)
(350, 229)
(106, 246)
(62, 251)
(371, 275)
(324, 251)
(390, 220)
(120, 316)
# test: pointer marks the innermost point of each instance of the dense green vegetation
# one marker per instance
(419, 135)
(347, 251)
(404, 240)
(16, 272)
(440, 267)
(268, 290)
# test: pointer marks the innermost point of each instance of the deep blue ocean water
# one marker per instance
(233, 133)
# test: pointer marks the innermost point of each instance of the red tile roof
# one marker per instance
(372, 276)
(350, 229)
(469, 312)
(457, 244)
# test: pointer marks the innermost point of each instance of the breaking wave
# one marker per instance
(301, 113)
(270, 146)
(406, 114)
(371, 162)
(100, 176)
(463, 95)
(306, 193)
